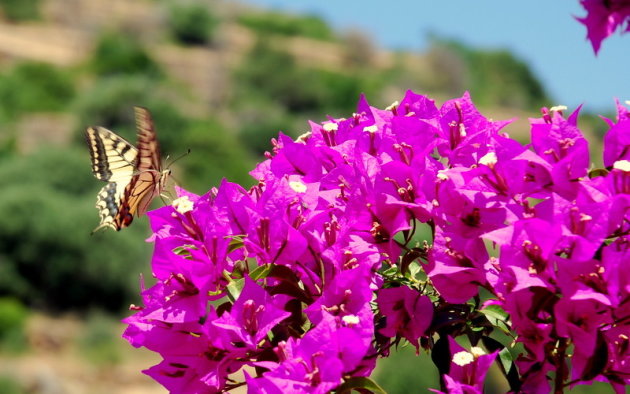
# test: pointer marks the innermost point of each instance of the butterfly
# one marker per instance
(134, 174)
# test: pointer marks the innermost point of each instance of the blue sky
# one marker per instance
(542, 33)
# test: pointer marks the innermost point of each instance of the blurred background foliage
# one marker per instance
(221, 79)
(308, 26)
(20, 10)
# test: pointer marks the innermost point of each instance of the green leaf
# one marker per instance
(505, 361)
(261, 272)
(415, 270)
(235, 287)
(506, 358)
(408, 258)
(495, 314)
(184, 250)
(360, 383)
(390, 271)
(235, 243)
(509, 369)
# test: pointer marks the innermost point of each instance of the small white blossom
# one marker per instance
(392, 106)
(350, 320)
(303, 138)
(371, 129)
(441, 175)
(463, 358)
(477, 351)
(488, 159)
(297, 186)
(182, 204)
(557, 108)
(623, 165)
(330, 126)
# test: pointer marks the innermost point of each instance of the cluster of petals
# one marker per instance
(280, 287)
(603, 18)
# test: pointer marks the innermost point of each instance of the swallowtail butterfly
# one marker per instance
(133, 174)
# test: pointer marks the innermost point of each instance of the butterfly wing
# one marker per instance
(114, 162)
(148, 148)
(113, 157)
(149, 179)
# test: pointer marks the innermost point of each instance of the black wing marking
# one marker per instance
(113, 158)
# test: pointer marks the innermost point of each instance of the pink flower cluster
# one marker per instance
(300, 283)
(603, 18)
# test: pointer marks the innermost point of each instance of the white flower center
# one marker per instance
(297, 186)
(557, 108)
(477, 351)
(330, 126)
(371, 129)
(182, 204)
(463, 358)
(488, 159)
(393, 105)
(304, 137)
(442, 175)
(350, 320)
(623, 165)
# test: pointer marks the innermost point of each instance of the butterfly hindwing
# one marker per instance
(133, 174)
(107, 203)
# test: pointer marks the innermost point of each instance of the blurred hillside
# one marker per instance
(221, 59)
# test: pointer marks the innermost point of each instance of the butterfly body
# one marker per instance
(133, 174)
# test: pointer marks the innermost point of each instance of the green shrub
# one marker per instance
(8, 145)
(404, 372)
(270, 74)
(48, 258)
(120, 54)
(32, 86)
(497, 77)
(64, 171)
(267, 73)
(289, 25)
(109, 103)
(261, 120)
(216, 154)
(192, 24)
(502, 79)
(100, 339)
(12, 320)
(20, 10)
(10, 385)
(338, 92)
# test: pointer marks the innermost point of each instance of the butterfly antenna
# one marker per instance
(181, 156)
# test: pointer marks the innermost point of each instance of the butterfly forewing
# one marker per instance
(148, 183)
(149, 156)
(113, 158)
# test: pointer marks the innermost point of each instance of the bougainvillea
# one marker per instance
(603, 18)
(302, 282)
